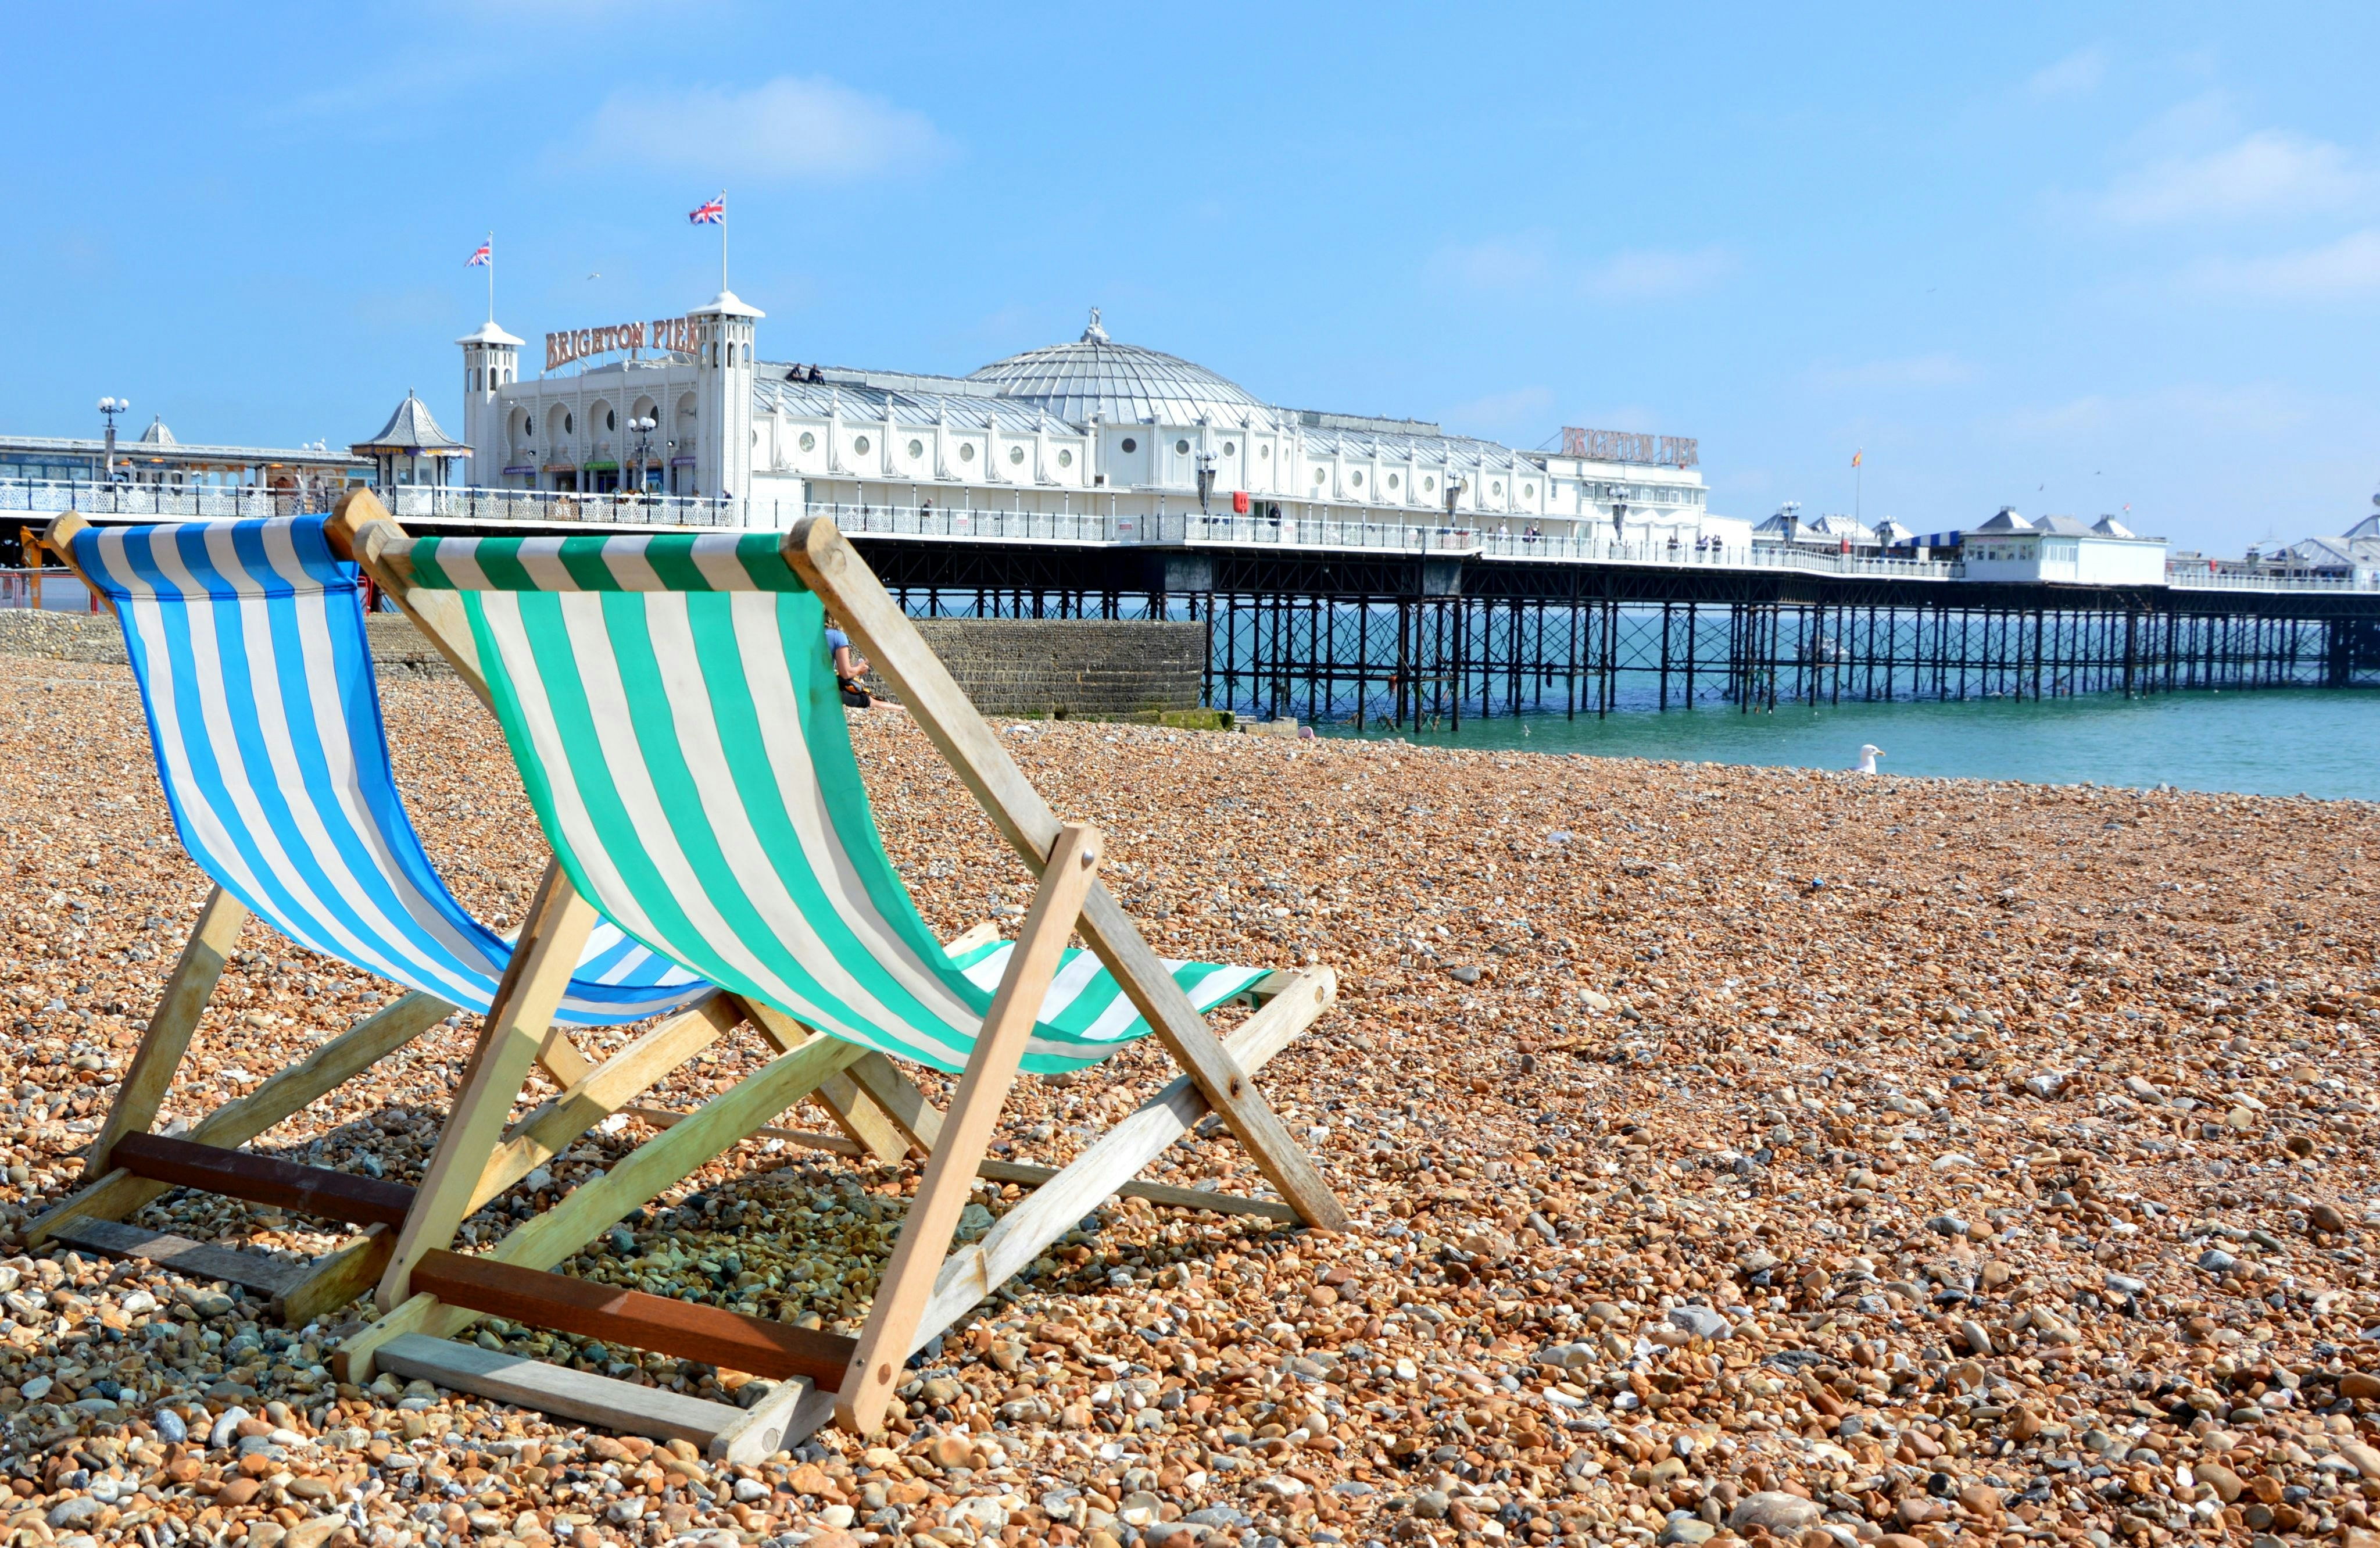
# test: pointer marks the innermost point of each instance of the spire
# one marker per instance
(1094, 333)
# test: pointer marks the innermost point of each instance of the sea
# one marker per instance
(2276, 743)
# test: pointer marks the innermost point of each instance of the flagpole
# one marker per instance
(723, 241)
(492, 276)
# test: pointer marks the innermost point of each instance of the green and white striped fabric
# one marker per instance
(672, 708)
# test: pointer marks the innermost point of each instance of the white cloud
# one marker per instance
(2350, 266)
(2194, 410)
(1650, 274)
(1498, 263)
(2271, 172)
(1528, 262)
(787, 129)
(1937, 369)
(2074, 76)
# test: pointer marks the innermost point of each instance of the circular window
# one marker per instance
(1182, 449)
(1264, 454)
(1427, 483)
(1130, 444)
(1016, 455)
(1530, 490)
(1065, 459)
(1317, 475)
(916, 448)
(966, 452)
(1357, 478)
(1229, 449)
(1495, 488)
(809, 441)
(610, 420)
(860, 446)
(1393, 481)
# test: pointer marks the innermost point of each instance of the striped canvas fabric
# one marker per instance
(673, 710)
(247, 640)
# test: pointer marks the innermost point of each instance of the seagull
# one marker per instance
(596, 276)
(1869, 753)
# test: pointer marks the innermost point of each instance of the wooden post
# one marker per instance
(559, 922)
(187, 990)
(908, 1280)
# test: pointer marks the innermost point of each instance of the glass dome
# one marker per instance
(1121, 383)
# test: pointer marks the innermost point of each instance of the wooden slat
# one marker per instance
(683, 1329)
(728, 1433)
(265, 1180)
(188, 989)
(664, 1117)
(235, 1123)
(908, 1282)
(1028, 1176)
(829, 566)
(190, 1259)
(338, 1277)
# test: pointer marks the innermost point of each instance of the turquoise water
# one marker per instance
(2287, 742)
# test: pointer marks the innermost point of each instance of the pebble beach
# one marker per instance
(1737, 1155)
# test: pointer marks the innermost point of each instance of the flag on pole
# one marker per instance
(482, 258)
(1856, 455)
(710, 212)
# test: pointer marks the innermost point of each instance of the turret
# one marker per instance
(723, 330)
(490, 364)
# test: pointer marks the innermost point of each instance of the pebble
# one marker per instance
(1709, 1190)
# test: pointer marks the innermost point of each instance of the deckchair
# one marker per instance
(670, 704)
(247, 641)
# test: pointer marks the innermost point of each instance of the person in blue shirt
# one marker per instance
(849, 667)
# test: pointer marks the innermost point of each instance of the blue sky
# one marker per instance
(2065, 257)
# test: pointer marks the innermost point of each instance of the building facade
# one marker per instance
(683, 406)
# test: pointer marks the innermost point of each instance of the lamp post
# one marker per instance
(1206, 479)
(644, 425)
(111, 407)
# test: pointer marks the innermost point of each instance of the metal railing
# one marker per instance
(55, 590)
(234, 501)
(2196, 578)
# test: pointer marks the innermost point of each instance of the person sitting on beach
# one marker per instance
(849, 667)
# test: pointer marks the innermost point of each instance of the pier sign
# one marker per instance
(1622, 445)
(669, 335)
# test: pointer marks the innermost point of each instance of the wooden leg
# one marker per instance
(967, 1129)
(853, 1110)
(362, 1045)
(188, 989)
(559, 923)
(900, 1099)
(608, 1089)
(654, 1166)
(1019, 1237)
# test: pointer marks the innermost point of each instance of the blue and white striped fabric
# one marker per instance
(247, 640)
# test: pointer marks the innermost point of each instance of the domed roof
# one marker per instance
(1119, 381)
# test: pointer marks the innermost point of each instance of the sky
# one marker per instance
(2069, 257)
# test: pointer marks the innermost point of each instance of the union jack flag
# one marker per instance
(481, 259)
(711, 211)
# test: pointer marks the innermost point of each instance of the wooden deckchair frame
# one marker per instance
(208, 1155)
(428, 1291)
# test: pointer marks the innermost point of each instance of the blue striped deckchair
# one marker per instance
(671, 706)
(247, 642)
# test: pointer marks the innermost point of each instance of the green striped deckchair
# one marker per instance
(669, 701)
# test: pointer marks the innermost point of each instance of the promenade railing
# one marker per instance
(2195, 578)
(216, 502)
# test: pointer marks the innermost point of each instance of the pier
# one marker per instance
(1376, 624)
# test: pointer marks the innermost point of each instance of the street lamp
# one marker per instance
(111, 407)
(1206, 479)
(644, 425)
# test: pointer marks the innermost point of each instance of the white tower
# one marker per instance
(723, 358)
(490, 363)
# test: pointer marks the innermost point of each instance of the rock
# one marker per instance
(2222, 1480)
(2365, 1458)
(1430, 1504)
(951, 1451)
(1977, 1339)
(169, 1427)
(2215, 1260)
(1702, 1322)
(2046, 1085)
(1779, 1514)
(1467, 973)
(2361, 1385)
(226, 1428)
(75, 1512)
(1981, 1499)
(1685, 1528)
(1594, 1000)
